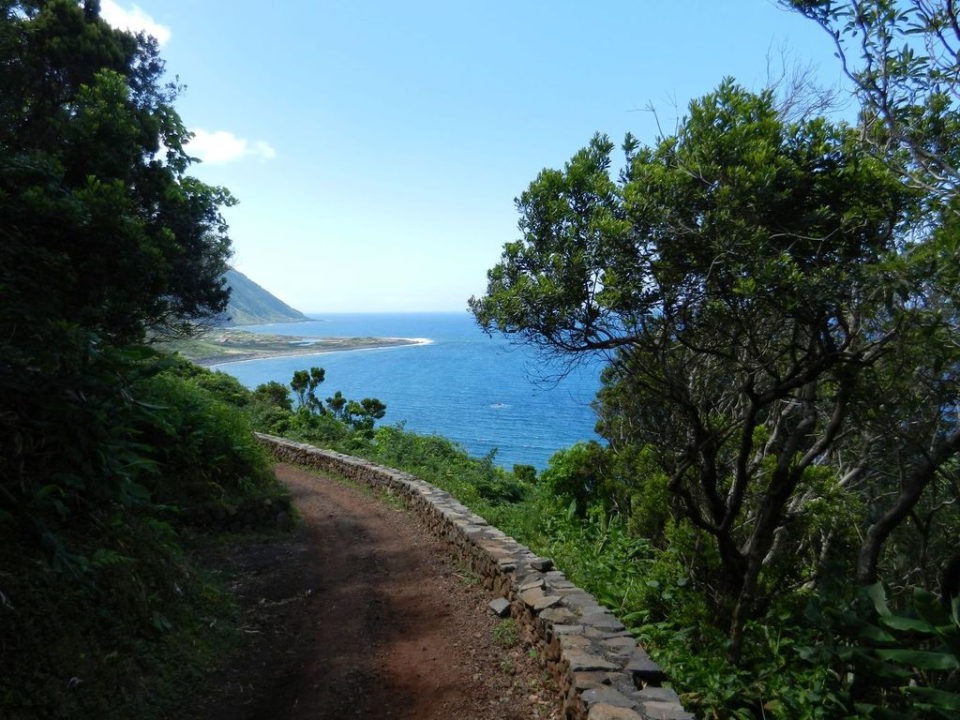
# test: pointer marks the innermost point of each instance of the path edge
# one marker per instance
(601, 671)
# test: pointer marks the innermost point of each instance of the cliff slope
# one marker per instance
(250, 304)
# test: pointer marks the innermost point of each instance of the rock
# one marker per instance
(602, 621)
(657, 694)
(606, 695)
(599, 634)
(558, 615)
(665, 711)
(581, 661)
(500, 607)
(644, 669)
(542, 564)
(545, 602)
(283, 521)
(574, 641)
(587, 680)
(567, 629)
(530, 597)
(578, 599)
(612, 712)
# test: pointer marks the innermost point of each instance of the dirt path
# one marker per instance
(361, 614)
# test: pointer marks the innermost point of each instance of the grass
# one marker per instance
(506, 633)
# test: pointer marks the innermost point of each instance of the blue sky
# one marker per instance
(376, 147)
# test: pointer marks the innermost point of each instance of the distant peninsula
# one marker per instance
(231, 345)
(251, 304)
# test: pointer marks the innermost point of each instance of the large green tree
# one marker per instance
(104, 237)
(734, 274)
(99, 223)
(903, 59)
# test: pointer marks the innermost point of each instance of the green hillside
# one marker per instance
(250, 304)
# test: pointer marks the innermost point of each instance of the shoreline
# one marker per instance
(387, 344)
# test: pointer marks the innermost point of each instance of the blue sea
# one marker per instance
(481, 392)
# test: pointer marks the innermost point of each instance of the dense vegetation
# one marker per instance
(818, 650)
(777, 300)
(775, 509)
(110, 455)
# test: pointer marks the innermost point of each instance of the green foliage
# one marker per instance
(525, 473)
(362, 415)
(120, 638)
(573, 476)
(778, 305)
(132, 241)
(106, 449)
(94, 583)
(273, 394)
(506, 633)
(476, 482)
(205, 447)
(896, 664)
(728, 270)
(348, 424)
(303, 384)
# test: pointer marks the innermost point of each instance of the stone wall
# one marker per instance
(602, 672)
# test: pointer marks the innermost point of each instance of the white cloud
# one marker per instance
(264, 150)
(133, 20)
(222, 147)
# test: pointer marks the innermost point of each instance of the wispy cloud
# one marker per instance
(134, 20)
(222, 147)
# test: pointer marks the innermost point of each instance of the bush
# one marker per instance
(204, 449)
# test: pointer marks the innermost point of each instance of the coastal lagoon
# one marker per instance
(481, 392)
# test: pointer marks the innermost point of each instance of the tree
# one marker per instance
(902, 58)
(104, 237)
(362, 415)
(100, 224)
(733, 275)
(337, 404)
(304, 384)
(274, 393)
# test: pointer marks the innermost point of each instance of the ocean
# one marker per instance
(481, 392)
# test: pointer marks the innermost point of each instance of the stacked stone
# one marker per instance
(599, 667)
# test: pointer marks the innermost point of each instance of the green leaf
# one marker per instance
(929, 608)
(939, 699)
(878, 713)
(875, 634)
(922, 659)
(899, 622)
(878, 595)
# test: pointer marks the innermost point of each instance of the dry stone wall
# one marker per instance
(601, 670)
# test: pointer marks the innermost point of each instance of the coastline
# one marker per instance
(379, 344)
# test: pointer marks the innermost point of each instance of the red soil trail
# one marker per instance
(360, 613)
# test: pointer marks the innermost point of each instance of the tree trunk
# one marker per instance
(910, 492)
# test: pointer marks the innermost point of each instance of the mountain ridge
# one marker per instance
(251, 304)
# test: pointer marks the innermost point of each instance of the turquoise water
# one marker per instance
(479, 391)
